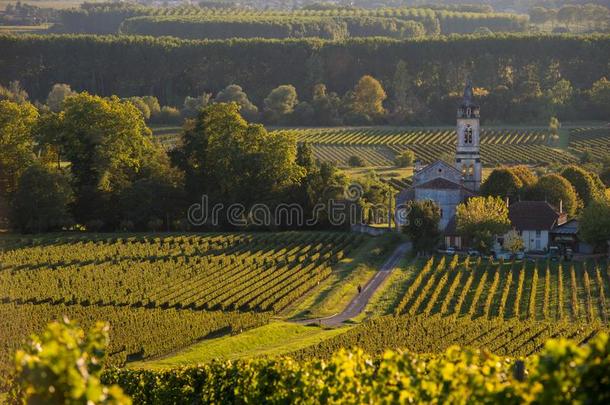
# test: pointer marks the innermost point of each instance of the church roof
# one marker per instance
(534, 216)
(436, 165)
(440, 183)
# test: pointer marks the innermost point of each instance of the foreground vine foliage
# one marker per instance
(562, 373)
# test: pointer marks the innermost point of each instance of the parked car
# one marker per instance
(450, 250)
(502, 255)
(519, 255)
(474, 253)
(554, 253)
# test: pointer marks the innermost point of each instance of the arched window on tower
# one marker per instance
(468, 134)
(464, 169)
(471, 170)
(468, 112)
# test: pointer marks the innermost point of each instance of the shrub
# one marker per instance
(356, 161)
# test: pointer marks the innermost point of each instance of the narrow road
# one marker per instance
(357, 305)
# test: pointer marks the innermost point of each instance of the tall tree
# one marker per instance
(558, 191)
(236, 162)
(17, 124)
(586, 188)
(280, 103)
(368, 97)
(502, 182)
(41, 200)
(595, 224)
(108, 144)
(59, 92)
(422, 225)
(481, 219)
(234, 93)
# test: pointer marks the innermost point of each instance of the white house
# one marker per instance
(535, 220)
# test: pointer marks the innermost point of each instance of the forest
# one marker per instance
(513, 71)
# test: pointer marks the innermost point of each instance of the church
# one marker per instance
(445, 184)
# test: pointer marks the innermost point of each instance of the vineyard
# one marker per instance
(562, 373)
(191, 285)
(517, 290)
(594, 141)
(510, 309)
(380, 146)
(420, 334)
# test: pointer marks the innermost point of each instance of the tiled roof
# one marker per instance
(534, 216)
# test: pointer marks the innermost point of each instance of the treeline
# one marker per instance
(333, 28)
(517, 74)
(106, 18)
(590, 17)
(84, 162)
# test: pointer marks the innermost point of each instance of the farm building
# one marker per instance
(535, 221)
(443, 183)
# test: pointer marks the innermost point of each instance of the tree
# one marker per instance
(527, 177)
(107, 144)
(59, 92)
(17, 123)
(560, 93)
(280, 103)
(405, 159)
(586, 188)
(233, 161)
(538, 15)
(595, 224)
(234, 93)
(481, 219)
(401, 85)
(356, 161)
(326, 106)
(41, 200)
(63, 366)
(605, 176)
(513, 242)
(555, 189)
(502, 182)
(422, 226)
(368, 97)
(554, 126)
(14, 92)
(193, 105)
(139, 103)
(600, 96)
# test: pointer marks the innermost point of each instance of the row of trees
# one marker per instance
(367, 103)
(586, 16)
(93, 161)
(520, 77)
(256, 26)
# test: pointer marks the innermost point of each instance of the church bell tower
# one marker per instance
(468, 153)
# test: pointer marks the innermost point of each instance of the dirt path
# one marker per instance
(357, 305)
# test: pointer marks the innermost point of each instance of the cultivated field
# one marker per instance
(379, 146)
(160, 293)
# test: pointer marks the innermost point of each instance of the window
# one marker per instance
(468, 134)
(538, 233)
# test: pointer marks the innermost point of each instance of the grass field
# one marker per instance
(274, 339)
